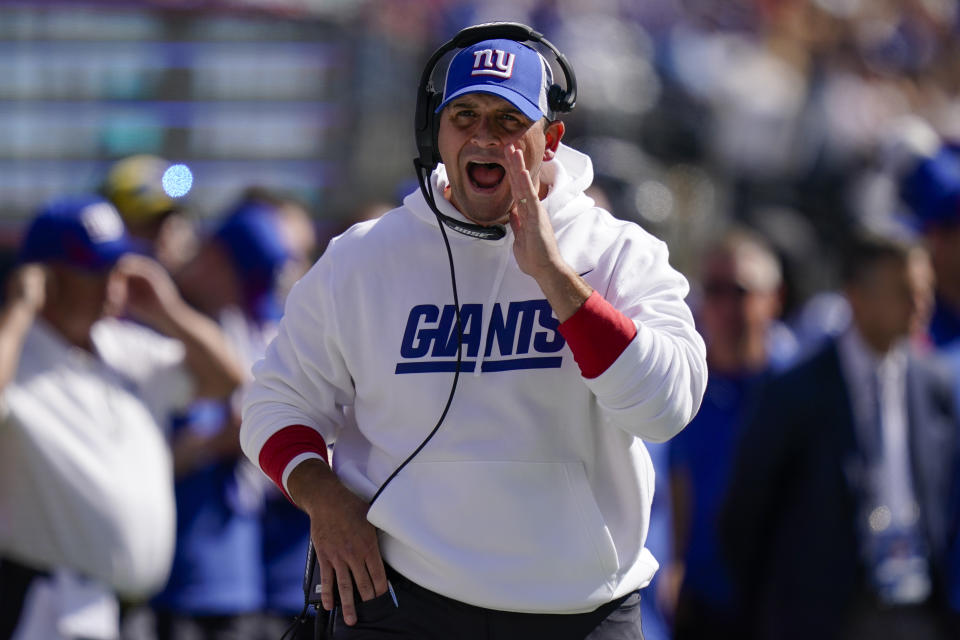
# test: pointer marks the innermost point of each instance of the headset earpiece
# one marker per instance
(426, 127)
(562, 100)
(557, 99)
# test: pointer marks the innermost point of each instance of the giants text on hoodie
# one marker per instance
(524, 334)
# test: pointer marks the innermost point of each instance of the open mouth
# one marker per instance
(485, 175)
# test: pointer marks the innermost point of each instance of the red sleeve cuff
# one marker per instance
(284, 446)
(597, 334)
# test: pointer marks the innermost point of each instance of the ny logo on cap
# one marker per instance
(483, 63)
(102, 222)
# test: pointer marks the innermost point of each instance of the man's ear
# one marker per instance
(553, 134)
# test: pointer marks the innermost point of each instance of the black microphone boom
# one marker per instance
(494, 232)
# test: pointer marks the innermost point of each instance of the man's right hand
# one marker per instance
(26, 286)
(346, 543)
(25, 296)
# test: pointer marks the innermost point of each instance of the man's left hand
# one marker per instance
(151, 295)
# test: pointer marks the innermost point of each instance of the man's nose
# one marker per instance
(484, 134)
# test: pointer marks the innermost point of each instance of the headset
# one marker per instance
(426, 124)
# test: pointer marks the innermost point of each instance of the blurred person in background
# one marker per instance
(784, 104)
(656, 621)
(86, 493)
(235, 557)
(931, 190)
(285, 528)
(655, 616)
(838, 515)
(299, 232)
(134, 185)
(740, 280)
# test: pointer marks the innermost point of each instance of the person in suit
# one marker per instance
(838, 515)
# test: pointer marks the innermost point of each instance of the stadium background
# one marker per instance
(792, 117)
(778, 113)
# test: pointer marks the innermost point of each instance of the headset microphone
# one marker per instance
(492, 232)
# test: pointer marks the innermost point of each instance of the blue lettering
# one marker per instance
(528, 310)
(445, 344)
(471, 315)
(502, 330)
(414, 346)
(547, 341)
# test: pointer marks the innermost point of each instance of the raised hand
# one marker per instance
(26, 286)
(535, 245)
(26, 295)
(151, 295)
(153, 298)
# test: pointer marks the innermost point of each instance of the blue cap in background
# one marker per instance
(252, 236)
(84, 232)
(931, 189)
(504, 68)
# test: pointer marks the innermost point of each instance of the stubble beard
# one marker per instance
(478, 209)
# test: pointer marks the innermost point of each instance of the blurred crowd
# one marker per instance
(784, 115)
(797, 156)
(128, 332)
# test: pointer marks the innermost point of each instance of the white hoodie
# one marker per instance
(535, 494)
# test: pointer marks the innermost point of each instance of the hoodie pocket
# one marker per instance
(504, 534)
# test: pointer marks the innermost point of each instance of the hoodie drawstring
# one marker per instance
(494, 292)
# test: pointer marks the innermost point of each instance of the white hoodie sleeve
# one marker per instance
(302, 378)
(654, 388)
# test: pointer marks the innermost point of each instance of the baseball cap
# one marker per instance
(505, 68)
(931, 189)
(255, 244)
(84, 232)
(135, 186)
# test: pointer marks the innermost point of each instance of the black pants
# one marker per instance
(174, 626)
(421, 614)
(696, 618)
(15, 580)
(868, 620)
(274, 627)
